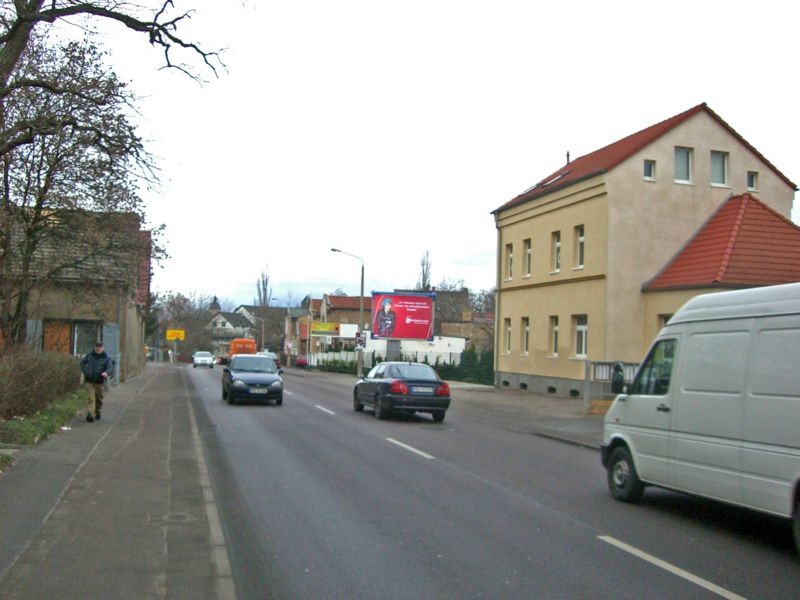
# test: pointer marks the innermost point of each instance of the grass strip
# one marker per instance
(30, 430)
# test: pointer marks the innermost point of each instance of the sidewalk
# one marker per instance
(115, 508)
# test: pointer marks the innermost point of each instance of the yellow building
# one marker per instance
(575, 250)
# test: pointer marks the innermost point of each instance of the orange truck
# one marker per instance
(240, 346)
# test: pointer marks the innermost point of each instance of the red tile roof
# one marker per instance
(349, 302)
(605, 159)
(743, 244)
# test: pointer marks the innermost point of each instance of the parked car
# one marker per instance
(402, 387)
(301, 361)
(252, 377)
(275, 358)
(202, 359)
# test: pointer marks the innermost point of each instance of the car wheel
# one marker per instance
(357, 406)
(279, 400)
(194, 366)
(224, 395)
(438, 416)
(380, 412)
(623, 481)
(210, 366)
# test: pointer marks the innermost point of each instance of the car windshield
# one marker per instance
(412, 371)
(254, 363)
(202, 354)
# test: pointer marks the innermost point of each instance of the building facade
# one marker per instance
(574, 251)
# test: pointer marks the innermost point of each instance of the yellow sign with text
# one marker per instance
(326, 329)
(176, 334)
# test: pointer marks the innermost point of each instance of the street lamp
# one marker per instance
(359, 348)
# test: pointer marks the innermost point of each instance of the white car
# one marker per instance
(202, 359)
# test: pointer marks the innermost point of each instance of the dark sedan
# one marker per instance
(402, 387)
(252, 377)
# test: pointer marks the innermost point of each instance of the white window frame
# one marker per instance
(525, 327)
(556, 251)
(752, 181)
(507, 330)
(714, 165)
(581, 335)
(689, 171)
(528, 244)
(648, 162)
(554, 335)
(509, 261)
(580, 246)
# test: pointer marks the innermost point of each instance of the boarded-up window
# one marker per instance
(57, 336)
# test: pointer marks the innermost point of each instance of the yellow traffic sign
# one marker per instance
(176, 334)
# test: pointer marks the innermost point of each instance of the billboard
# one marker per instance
(403, 316)
(322, 328)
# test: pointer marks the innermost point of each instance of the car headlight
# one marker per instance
(239, 383)
(276, 385)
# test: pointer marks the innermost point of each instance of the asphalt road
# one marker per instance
(318, 501)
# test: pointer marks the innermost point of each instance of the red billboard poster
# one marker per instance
(402, 316)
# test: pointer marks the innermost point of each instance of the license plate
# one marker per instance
(415, 389)
(258, 391)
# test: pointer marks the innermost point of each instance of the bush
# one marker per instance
(30, 381)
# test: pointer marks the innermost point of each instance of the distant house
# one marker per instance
(226, 326)
(594, 257)
(269, 323)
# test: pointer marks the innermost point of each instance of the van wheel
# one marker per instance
(623, 482)
(797, 525)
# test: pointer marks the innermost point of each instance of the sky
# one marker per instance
(391, 130)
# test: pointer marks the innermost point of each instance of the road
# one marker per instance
(318, 501)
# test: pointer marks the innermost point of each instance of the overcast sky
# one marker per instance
(391, 129)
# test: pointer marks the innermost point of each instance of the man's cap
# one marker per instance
(98, 343)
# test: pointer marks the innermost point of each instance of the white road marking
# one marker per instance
(671, 568)
(288, 393)
(323, 409)
(411, 449)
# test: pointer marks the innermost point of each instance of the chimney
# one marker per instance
(567, 156)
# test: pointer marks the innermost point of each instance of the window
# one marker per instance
(526, 334)
(509, 260)
(650, 170)
(752, 180)
(556, 251)
(683, 165)
(719, 168)
(579, 245)
(554, 336)
(581, 334)
(507, 334)
(528, 256)
(654, 375)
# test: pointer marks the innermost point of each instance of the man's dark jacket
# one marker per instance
(93, 365)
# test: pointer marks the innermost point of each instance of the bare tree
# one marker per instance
(68, 205)
(263, 290)
(424, 282)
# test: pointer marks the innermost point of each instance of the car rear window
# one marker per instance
(413, 372)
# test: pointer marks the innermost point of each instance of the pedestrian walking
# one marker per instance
(97, 367)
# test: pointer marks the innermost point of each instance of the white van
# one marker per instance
(714, 409)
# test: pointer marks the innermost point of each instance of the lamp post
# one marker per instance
(359, 348)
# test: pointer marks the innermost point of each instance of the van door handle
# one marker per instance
(663, 408)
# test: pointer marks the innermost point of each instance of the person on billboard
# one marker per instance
(385, 319)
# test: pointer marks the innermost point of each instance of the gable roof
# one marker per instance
(608, 157)
(744, 243)
(347, 302)
(234, 318)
